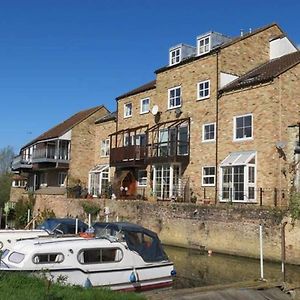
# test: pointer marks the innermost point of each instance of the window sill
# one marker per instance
(208, 185)
(240, 201)
(145, 112)
(126, 117)
(204, 98)
(174, 107)
(243, 139)
(208, 141)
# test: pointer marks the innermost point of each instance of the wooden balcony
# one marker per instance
(128, 156)
(168, 152)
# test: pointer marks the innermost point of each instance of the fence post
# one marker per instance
(275, 197)
(260, 196)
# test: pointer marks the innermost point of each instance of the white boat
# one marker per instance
(8, 237)
(131, 259)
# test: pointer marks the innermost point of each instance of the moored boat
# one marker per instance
(124, 257)
(51, 226)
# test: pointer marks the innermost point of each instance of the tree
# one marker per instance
(6, 157)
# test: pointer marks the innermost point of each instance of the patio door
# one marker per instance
(166, 181)
(233, 183)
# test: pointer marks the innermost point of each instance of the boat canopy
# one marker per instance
(64, 225)
(145, 242)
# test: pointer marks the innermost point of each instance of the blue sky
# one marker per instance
(58, 57)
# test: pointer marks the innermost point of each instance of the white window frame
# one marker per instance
(169, 97)
(43, 179)
(208, 176)
(247, 184)
(141, 178)
(59, 178)
(105, 148)
(177, 58)
(98, 192)
(20, 183)
(204, 89)
(141, 106)
(126, 112)
(171, 177)
(199, 48)
(235, 139)
(203, 133)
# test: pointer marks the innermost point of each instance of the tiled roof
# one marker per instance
(143, 88)
(265, 72)
(217, 48)
(65, 126)
(106, 118)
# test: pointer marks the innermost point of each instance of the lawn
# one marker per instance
(15, 286)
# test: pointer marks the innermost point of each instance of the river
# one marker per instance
(195, 269)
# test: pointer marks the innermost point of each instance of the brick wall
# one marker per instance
(83, 148)
(248, 53)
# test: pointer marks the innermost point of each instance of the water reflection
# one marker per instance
(195, 270)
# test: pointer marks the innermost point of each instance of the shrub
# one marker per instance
(90, 208)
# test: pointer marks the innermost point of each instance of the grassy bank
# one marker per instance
(21, 287)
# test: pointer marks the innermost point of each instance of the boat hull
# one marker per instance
(149, 277)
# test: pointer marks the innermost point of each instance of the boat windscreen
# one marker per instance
(65, 226)
(148, 247)
(145, 242)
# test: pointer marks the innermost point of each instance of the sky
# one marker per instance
(58, 57)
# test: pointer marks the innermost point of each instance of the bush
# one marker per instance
(21, 210)
(294, 206)
(90, 208)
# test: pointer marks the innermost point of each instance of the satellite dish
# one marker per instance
(154, 110)
(178, 112)
(280, 144)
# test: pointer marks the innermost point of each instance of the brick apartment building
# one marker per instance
(219, 123)
(60, 157)
(213, 125)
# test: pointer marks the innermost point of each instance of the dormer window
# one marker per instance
(203, 45)
(175, 56)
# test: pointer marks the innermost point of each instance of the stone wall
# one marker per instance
(228, 229)
(16, 193)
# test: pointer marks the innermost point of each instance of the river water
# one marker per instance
(195, 269)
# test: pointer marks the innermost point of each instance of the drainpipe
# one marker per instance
(283, 256)
(217, 128)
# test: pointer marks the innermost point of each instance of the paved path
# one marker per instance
(237, 291)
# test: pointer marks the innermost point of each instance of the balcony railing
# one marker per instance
(21, 163)
(49, 155)
(128, 155)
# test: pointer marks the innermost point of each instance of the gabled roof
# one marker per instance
(109, 117)
(143, 88)
(217, 48)
(265, 72)
(65, 126)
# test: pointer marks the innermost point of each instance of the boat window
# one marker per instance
(100, 255)
(47, 258)
(16, 257)
(4, 253)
